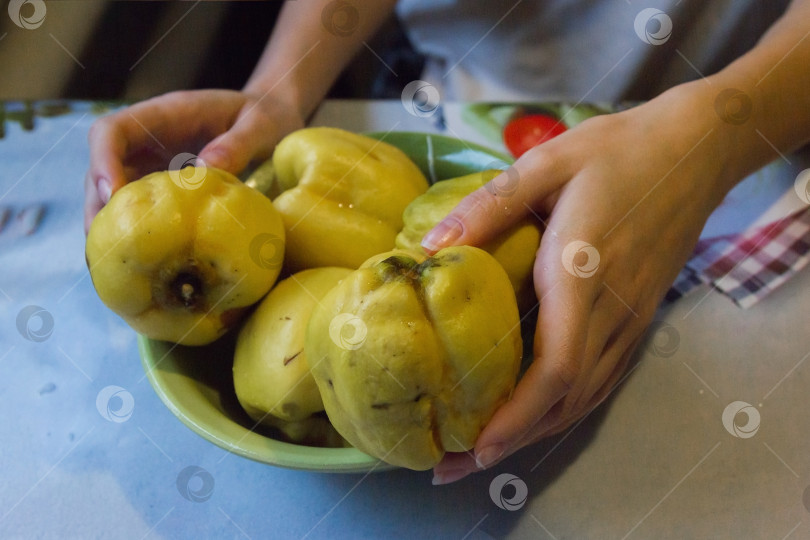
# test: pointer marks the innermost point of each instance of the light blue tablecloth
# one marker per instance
(656, 461)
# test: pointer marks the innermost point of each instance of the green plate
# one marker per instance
(196, 383)
(442, 157)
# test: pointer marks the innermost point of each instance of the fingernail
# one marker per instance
(216, 157)
(443, 234)
(104, 190)
(489, 455)
(448, 477)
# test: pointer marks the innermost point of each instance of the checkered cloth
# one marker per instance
(748, 266)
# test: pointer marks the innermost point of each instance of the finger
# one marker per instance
(141, 138)
(252, 137)
(453, 466)
(108, 148)
(105, 174)
(618, 322)
(613, 332)
(92, 202)
(183, 120)
(148, 134)
(610, 325)
(609, 374)
(616, 359)
(561, 329)
(135, 133)
(500, 203)
(114, 140)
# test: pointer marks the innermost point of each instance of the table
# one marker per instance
(707, 437)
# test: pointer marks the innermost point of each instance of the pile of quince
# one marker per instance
(334, 305)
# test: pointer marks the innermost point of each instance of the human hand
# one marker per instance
(624, 198)
(226, 129)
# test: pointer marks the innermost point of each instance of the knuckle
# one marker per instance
(480, 200)
(551, 164)
(178, 96)
(567, 370)
(100, 126)
(543, 159)
(646, 312)
(478, 217)
(474, 211)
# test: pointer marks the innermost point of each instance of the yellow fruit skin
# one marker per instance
(515, 249)
(412, 359)
(198, 226)
(270, 370)
(342, 197)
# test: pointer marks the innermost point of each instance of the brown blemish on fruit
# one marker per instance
(231, 317)
(289, 359)
(290, 408)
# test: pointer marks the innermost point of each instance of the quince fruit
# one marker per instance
(413, 355)
(342, 196)
(181, 255)
(515, 249)
(271, 374)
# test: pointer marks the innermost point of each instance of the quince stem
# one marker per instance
(187, 287)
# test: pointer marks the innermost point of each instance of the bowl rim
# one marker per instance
(279, 453)
(276, 452)
(469, 145)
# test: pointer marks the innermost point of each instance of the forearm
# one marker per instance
(313, 41)
(771, 113)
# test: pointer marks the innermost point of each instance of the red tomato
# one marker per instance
(525, 132)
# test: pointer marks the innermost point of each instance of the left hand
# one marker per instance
(624, 198)
(227, 128)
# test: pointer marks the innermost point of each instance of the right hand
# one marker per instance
(227, 129)
(631, 191)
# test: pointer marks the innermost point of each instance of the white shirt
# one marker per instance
(580, 50)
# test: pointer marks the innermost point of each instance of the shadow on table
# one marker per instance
(541, 464)
(404, 503)
(538, 466)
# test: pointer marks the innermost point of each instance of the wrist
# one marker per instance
(730, 126)
(695, 139)
(746, 125)
(762, 99)
(281, 89)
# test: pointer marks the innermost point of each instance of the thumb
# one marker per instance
(493, 208)
(251, 137)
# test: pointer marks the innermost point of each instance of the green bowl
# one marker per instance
(196, 383)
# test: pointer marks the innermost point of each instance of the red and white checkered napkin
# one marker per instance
(748, 266)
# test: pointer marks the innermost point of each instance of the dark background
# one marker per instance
(126, 30)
